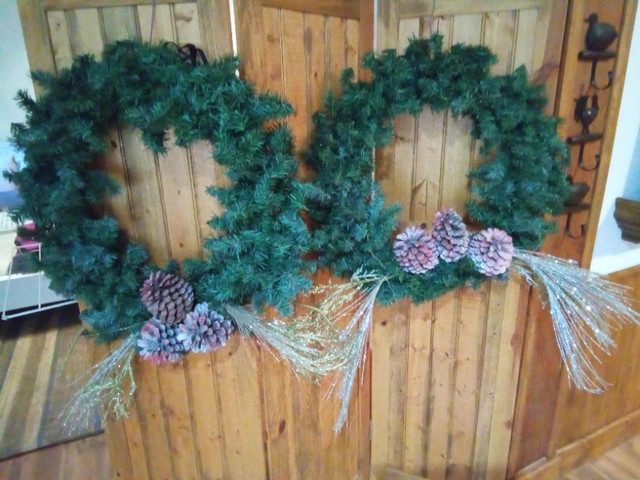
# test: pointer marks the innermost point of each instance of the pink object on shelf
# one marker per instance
(26, 243)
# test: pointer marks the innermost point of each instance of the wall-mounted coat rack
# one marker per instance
(599, 37)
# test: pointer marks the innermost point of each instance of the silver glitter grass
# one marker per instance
(109, 390)
(298, 343)
(316, 344)
(585, 309)
(353, 343)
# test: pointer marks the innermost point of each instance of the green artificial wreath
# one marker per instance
(263, 256)
(523, 180)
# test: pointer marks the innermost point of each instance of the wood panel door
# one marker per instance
(298, 49)
(445, 373)
(238, 413)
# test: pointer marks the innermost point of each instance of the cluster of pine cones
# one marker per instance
(417, 251)
(176, 326)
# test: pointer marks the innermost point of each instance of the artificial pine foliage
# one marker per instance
(262, 255)
(522, 180)
(151, 89)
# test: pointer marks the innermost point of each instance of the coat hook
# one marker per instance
(567, 230)
(581, 161)
(570, 210)
(592, 81)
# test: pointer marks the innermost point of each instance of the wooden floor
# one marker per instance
(621, 463)
(88, 459)
(85, 459)
(41, 361)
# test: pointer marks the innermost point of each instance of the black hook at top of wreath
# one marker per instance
(189, 53)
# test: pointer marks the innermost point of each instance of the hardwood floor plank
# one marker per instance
(41, 386)
(17, 387)
(620, 463)
(79, 460)
(40, 372)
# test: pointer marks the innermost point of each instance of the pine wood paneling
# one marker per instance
(551, 413)
(445, 374)
(163, 205)
(299, 52)
(238, 413)
(438, 393)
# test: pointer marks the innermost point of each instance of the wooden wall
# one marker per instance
(445, 372)
(239, 413)
(439, 390)
(550, 413)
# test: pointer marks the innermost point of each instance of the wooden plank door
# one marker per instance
(445, 373)
(163, 206)
(298, 49)
(238, 413)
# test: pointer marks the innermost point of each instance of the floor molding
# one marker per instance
(583, 450)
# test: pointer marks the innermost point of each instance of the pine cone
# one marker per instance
(415, 250)
(204, 330)
(491, 251)
(158, 342)
(168, 297)
(450, 234)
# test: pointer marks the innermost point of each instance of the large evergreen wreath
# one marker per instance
(263, 254)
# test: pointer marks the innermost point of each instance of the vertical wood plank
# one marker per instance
(418, 389)
(336, 53)
(316, 55)
(177, 411)
(526, 29)
(119, 23)
(129, 462)
(176, 181)
(351, 46)
(33, 18)
(214, 20)
(205, 415)
(206, 172)
(187, 24)
(156, 23)
(442, 383)
(499, 29)
(249, 25)
(145, 197)
(60, 41)
(151, 418)
(429, 154)
(472, 321)
(85, 31)
(239, 397)
(510, 345)
(381, 414)
(295, 75)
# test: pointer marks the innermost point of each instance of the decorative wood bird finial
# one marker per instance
(599, 34)
(586, 115)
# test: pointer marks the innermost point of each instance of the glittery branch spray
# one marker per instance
(585, 309)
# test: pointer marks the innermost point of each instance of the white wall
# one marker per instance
(14, 68)
(611, 253)
(13, 65)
